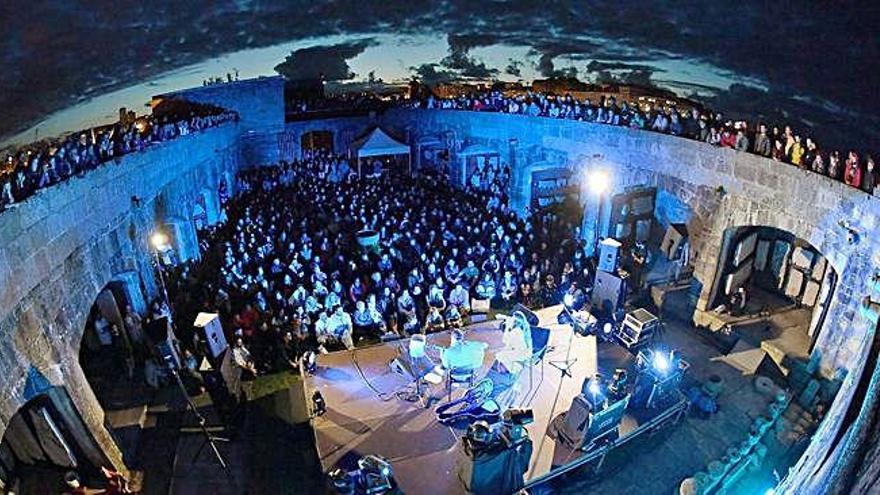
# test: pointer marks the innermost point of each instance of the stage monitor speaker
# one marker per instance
(676, 233)
(494, 470)
(576, 422)
(609, 255)
(609, 293)
(162, 337)
(529, 314)
(212, 332)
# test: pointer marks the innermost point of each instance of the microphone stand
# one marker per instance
(565, 365)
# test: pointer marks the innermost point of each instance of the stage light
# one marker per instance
(593, 387)
(159, 240)
(607, 327)
(598, 181)
(310, 362)
(661, 363)
(518, 417)
(375, 474)
(568, 300)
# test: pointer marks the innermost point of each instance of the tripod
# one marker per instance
(209, 438)
(565, 365)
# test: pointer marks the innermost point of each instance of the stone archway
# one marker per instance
(317, 140)
(112, 355)
(46, 438)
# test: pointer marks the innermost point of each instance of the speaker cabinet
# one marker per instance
(609, 255)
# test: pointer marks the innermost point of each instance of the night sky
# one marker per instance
(814, 64)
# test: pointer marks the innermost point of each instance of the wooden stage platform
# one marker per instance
(365, 416)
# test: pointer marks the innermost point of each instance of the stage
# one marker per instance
(370, 419)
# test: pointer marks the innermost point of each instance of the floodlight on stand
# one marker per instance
(518, 417)
(376, 475)
(159, 240)
(341, 481)
(598, 181)
(660, 362)
(594, 388)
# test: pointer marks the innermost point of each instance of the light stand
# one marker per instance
(209, 438)
(158, 240)
(565, 366)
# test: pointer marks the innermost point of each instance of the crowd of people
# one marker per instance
(36, 166)
(287, 272)
(781, 143)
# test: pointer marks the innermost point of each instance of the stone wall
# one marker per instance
(59, 249)
(259, 102)
(722, 189)
(284, 143)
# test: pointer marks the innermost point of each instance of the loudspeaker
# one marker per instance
(576, 422)
(212, 332)
(162, 337)
(609, 254)
(676, 233)
(609, 293)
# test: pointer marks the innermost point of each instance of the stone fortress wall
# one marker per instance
(61, 247)
(756, 192)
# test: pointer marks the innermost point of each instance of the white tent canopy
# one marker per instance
(378, 143)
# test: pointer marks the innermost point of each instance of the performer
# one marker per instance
(517, 341)
(462, 354)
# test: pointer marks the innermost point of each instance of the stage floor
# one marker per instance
(421, 450)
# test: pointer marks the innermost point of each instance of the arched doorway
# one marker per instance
(44, 440)
(785, 282)
(317, 140)
(112, 356)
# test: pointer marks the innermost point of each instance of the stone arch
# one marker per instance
(48, 431)
(317, 139)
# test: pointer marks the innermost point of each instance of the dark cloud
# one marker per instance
(596, 66)
(821, 51)
(322, 62)
(461, 61)
(546, 68)
(514, 68)
(433, 73)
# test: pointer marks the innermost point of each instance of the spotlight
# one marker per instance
(310, 362)
(376, 475)
(341, 481)
(159, 241)
(660, 361)
(593, 387)
(598, 181)
(607, 328)
(518, 417)
(318, 403)
(568, 300)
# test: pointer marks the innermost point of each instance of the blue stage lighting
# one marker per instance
(661, 362)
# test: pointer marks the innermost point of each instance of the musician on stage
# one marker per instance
(517, 339)
(462, 354)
